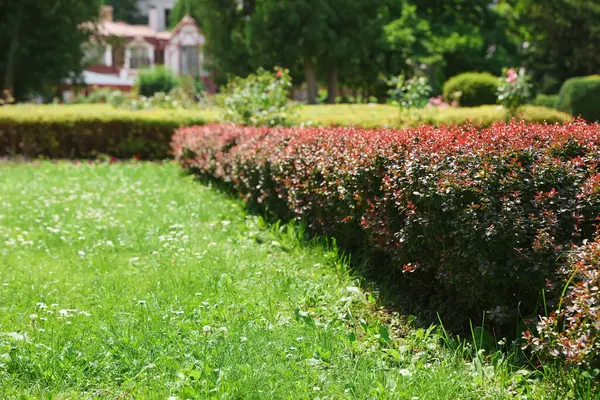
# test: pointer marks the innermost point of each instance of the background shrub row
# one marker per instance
(581, 97)
(472, 89)
(474, 220)
(89, 131)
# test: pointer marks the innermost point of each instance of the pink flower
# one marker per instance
(279, 73)
(511, 76)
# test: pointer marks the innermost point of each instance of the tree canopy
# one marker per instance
(42, 42)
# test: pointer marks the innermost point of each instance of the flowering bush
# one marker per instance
(259, 99)
(475, 219)
(571, 334)
(409, 93)
(439, 102)
(514, 90)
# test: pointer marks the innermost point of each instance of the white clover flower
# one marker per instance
(405, 372)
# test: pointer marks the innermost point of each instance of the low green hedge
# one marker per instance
(581, 97)
(476, 88)
(379, 115)
(86, 131)
(546, 100)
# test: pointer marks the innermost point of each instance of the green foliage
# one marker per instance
(409, 93)
(387, 116)
(561, 38)
(82, 131)
(259, 99)
(465, 35)
(514, 90)
(154, 80)
(581, 97)
(545, 100)
(126, 10)
(101, 96)
(41, 43)
(472, 89)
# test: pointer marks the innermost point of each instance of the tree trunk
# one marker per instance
(332, 78)
(310, 74)
(9, 73)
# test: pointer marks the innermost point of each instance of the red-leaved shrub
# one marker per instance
(476, 219)
(571, 334)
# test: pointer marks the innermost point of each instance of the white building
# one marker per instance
(162, 8)
(124, 49)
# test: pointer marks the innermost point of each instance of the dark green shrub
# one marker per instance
(580, 97)
(157, 79)
(545, 100)
(87, 131)
(472, 89)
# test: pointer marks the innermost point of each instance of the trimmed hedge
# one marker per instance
(476, 88)
(84, 131)
(581, 97)
(545, 100)
(474, 220)
(380, 115)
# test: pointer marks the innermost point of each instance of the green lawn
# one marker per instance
(134, 281)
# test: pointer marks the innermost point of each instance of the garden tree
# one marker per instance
(290, 33)
(223, 23)
(42, 42)
(324, 35)
(354, 28)
(453, 36)
(126, 10)
(563, 38)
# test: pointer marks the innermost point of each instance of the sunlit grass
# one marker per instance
(133, 281)
(378, 115)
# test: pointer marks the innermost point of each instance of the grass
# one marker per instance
(376, 115)
(134, 281)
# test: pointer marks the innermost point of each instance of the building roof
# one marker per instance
(123, 29)
(187, 20)
(118, 28)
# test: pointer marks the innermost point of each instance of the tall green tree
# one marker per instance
(453, 36)
(126, 10)
(42, 42)
(562, 38)
(324, 37)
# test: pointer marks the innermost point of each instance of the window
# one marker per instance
(167, 15)
(138, 57)
(189, 60)
(159, 57)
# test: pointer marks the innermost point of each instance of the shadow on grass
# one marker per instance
(376, 273)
